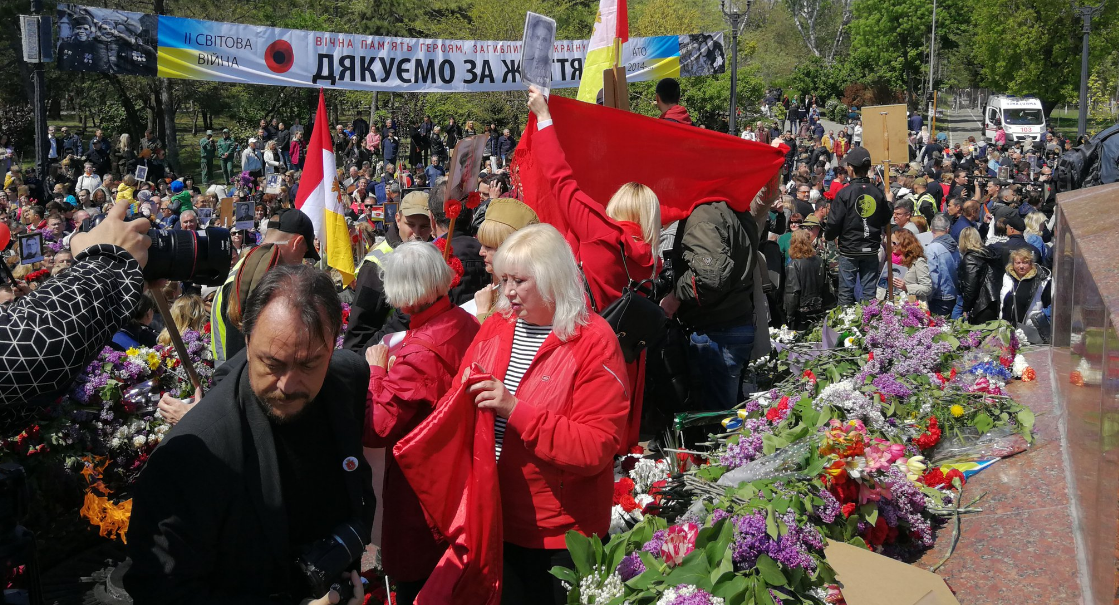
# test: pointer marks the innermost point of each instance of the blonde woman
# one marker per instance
(188, 313)
(123, 157)
(613, 248)
(559, 406)
(273, 159)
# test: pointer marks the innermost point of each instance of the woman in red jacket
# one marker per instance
(560, 401)
(611, 244)
(404, 390)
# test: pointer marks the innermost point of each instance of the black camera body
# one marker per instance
(200, 257)
(323, 562)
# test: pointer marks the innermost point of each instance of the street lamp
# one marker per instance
(736, 18)
(1086, 13)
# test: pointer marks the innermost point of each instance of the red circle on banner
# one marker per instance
(279, 57)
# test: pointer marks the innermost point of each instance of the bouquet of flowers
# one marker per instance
(837, 450)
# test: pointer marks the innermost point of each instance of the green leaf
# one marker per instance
(1026, 419)
(711, 473)
(983, 422)
(732, 591)
(692, 570)
(771, 571)
(615, 552)
(723, 568)
(761, 594)
(869, 512)
(580, 548)
(857, 541)
(771, 523)
(565, 574)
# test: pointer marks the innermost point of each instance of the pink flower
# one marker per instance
(678, 543)
(896, 452)
(877, 458)
(872, 494)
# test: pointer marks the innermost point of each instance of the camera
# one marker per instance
(201, 257)
(323, 562)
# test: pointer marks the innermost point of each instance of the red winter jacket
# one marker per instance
(556, 468)
(594, 237)
(397, 401)
(596, 240)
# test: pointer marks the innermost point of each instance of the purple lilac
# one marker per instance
(909, 503)
(829, 510)
(791, 549)
(630, 567)
(888, 385)
(654, 544)
(718, 515)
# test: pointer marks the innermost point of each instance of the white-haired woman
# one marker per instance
(403, 391)
(560, 402)
(612, 245)
(273, 159)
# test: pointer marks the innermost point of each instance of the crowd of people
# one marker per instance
(514, 311)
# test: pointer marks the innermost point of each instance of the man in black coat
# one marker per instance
(269, 462)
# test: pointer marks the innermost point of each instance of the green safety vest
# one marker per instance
(218, 329)
(925, 198)
(376, 256)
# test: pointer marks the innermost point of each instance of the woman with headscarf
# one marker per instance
(504, 216)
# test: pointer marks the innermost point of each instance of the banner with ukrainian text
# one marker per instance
(113, 41)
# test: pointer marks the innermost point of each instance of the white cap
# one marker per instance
(252, 140)
(903, 192)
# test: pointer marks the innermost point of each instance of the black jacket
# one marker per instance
(1016, 242)
(857, 216)
(370, 310)
(804, 291)
(208, 522)
(719, 250)
(980, 274)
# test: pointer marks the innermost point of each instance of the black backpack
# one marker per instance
(1093, 163)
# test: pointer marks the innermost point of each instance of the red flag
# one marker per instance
(684, 165)
(622, 22)
(451, 463)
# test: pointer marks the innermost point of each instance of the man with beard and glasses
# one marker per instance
(268, 463)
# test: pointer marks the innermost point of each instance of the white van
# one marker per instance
(1023, 118)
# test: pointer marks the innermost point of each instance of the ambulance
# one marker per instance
(1023, 118)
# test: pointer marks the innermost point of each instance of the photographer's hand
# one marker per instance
(114, 230)
(332, 598)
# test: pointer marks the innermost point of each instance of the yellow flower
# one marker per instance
(132, 352)
(957, 410)
(153, 360)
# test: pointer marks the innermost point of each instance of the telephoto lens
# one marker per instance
(323, 562)
(199, 257)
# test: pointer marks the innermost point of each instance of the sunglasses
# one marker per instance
(795, 223)
(369, 205)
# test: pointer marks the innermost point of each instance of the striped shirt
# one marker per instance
(527, 340)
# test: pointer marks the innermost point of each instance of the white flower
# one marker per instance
(621, 521)
(1020, 365)
(647, 472)
(114, 443)
(1021, 334)
(590, 591)
(138, 441)
(684, 590)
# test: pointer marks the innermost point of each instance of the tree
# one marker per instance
(1033, 46)
(890, 39)
(822, 24)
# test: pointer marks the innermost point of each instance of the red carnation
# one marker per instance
(933, 478)
(629, 463)
(452, 208)
(656, 487)
(877, 535)
(636, 450)
(954, 474)
(848, 509)
(809, 375)
(473, 200)
(772, 414)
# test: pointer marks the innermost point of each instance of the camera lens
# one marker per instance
(200, 257)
